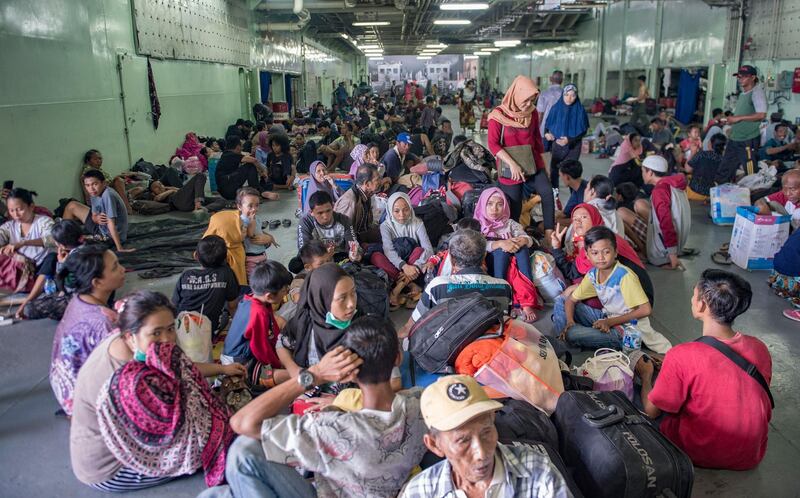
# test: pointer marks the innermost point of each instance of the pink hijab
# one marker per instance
(358, 158)
(191, 147)
(490, 227)
(626, 152)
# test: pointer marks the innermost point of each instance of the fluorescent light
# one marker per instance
(438, 45)
(371, 23)
(507, 43)
(464, 6)
(451, 22)
(470, 57)
(367, 47)
(424, 57)
(429, 52)
(375, 58)
(490, 49)
(482, 53)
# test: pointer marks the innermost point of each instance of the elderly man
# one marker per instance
(460, 420)
(355, 203)
(467, 251)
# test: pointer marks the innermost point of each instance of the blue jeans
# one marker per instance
(582, 334)
(250, 474)
(498, 262)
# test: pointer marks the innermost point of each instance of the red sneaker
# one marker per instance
(792, 314)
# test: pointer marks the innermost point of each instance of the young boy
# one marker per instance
(788, 199)
(571, 172)
(669, 220)
(254, 328)
(207, 290)
(107, 217)
(324, 224)
(620, 293)
(713, 410)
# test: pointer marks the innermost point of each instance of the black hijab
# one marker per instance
(315, 302)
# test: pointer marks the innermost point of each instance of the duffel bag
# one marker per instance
(441, 333)
(616, 451)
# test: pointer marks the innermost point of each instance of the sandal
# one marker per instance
(721, 258)
(689, 252)
(286, 223)
(274, 224)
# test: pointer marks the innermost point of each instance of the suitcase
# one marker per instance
(616, 451)
(342, 180)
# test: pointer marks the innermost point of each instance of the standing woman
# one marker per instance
(516, 143)
(566, 125)
(466, 101)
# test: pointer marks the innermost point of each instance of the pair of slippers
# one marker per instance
(276, 223)
(722, 257)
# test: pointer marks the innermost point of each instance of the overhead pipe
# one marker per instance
(303, 18)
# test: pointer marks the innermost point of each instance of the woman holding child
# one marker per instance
(25, 241)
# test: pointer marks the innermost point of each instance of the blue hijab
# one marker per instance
(567, 120)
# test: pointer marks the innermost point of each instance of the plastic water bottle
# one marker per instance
(50, 286)
(632, 338)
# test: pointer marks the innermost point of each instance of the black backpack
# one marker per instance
(443, 332)
(435, 219)
(372, 289)
(470, 200)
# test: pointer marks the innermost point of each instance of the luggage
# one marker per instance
(609, 370)
(617, 452)
(470, 199)
(372, 289)
(757, 238)
(441, 333)
(436, 221)
(342, 180)
(724, 201)
(519, 420)
(546, 276)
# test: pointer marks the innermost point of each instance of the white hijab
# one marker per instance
(408, 229)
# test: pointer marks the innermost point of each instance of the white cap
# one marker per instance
(656, 163)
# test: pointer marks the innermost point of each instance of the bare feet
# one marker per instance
(270, 196)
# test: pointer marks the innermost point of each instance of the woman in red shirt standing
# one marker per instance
(515, 141)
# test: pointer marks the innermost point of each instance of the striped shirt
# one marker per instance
(528, 473)
(463, 282)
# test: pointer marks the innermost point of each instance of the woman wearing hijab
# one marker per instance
(262, 148)
(320, 180)
(516, 143)
(508, 249)
(406, 247)
(566, 125)
(627, 166)
(359, 157)
(466, 101)
(327, 306)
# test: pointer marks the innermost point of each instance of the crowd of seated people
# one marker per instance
(328, 394)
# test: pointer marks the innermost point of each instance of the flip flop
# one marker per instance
(689, 252)
(274, 224)
(286, 223)
(721, 258)
(792, 314)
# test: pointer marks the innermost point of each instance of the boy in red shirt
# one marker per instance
(713, 410)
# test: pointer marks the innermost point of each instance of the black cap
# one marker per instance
(747, 71)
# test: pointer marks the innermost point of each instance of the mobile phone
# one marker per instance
(8, 185)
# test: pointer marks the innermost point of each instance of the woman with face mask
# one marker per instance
(515, 141)
(107, 447)
(566, 125)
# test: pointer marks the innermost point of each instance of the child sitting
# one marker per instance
(332, 228)
(785, 277)
(571, 172)
(703, 165)
(440, 265)
(254, 329)
(787, 200)
(692, 144)
(702, 394)
(508, 249)
(208, 289)
(620, 293)
(107, 217)
(68, 237)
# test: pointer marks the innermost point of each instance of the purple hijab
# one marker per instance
(315, 186)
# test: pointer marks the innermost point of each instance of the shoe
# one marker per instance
(792, 314)
(274, 224)
(286, 223)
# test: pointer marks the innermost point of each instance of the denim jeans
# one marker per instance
(498, 261)
(250, 474)
(582, 334)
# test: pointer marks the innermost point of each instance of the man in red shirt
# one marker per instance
(713, 410)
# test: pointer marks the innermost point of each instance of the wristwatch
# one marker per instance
(305, 379)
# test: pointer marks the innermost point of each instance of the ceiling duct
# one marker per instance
(303, 18)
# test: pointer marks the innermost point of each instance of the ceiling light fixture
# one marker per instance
(507, 43)
(452, 22)
(424, 57)
(464, 6)
(493, 49)
(375, 58)
(371, 23)
(367, 47)
(438, 45)
(481, 53)
(470, 57)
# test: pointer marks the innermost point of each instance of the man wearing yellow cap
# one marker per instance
(460, 420)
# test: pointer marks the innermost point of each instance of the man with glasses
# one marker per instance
(745, 134)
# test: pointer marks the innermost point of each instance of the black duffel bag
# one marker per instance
(616, 451)
(443, 332)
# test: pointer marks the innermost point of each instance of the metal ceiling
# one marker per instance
(411, 22)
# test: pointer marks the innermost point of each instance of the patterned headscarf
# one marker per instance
(358, 158)
(160, 418)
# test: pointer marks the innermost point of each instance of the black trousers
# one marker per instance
(538, 184)
(227, 185)
(559, 153)
(738, 153)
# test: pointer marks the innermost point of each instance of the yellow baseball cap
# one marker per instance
(454, 400)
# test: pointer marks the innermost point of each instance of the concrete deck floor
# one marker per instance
(34, 445)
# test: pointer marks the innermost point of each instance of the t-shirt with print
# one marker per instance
(713, 410)
(363, 453)
(619, 294)
(206, 289)
(466, 281)
(111, 204)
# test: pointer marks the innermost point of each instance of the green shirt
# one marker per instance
(747, 104)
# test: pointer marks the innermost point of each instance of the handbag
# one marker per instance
(740, 361)
(610, 370)
(521, 154)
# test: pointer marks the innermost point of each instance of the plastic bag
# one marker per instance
(194, 335)
(610, 370)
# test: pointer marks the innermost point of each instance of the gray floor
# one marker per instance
(35, 452)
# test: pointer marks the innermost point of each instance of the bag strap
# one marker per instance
(740, 361)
